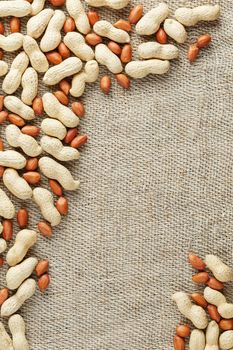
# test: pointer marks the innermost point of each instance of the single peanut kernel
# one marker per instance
(4, 294)
(114, 47)
(43, 282)
(124, 25)
(32, 177)
(2, 28)
(213, 312)
(203, 41)
(93, 39)
(1, 102)
(7, 231)
(71, 134)
(93, 17)
(65, 86)
(15, 25)
(1, 261)
(178, 343)
(69, 25)
(32, 164)
(37, 106)
(105, 84)
(54, 57)
(3, 116)
(199, 300)
(123, 80)
(22, 217)
(63, 50)
(161, 36)
(201, 277)
(1, 145)
(42, 267)
(45, 229)
(55, 187)
(31, 130)
(78, 108)
(193, 52)
(126, 53)
(135, 14)
(15, 119)
(196, 262)
(1, 54)
(2, 169)
(226, 325)
(79, 141)
(62, 205)
(57, 3)
(183, 331)
(215, 284)
(62, 97)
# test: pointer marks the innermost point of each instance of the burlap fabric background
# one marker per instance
(156, 178)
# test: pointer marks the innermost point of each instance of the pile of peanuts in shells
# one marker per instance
(216, 332)
(56, 45)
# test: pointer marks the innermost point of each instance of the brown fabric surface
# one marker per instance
(156, 178)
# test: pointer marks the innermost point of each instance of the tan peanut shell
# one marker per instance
(3, 68)
(12, 159)
(44, 199)
(221, 271)
(140, 69)
(197, 340)
(36, 25)
(77, 12)
(37, 6)
(37, 58)
(5, 340)
(106, 29)
(114, 4)
(17, 327)
(226, 340)
(53, 127)
(3, 245)
(88, 75)
(175, 30)
(30, 86)
(52, 35)
(27, 143)
(12, 42)
(106, 57)
(7, 209)
(214, 297)
(76, 43)
(56, 110)
(12, 80)
(15, 8)
(15, 105)
(151, 21)
(55, 147)
(16, 184)
(14, 303)
(70, 66)
(24, 240)
(212, 335)
(196, 314)
(54, 170)
(152, 49)
(190, 17)
(17, 274)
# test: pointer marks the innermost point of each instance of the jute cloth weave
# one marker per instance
(156, 180)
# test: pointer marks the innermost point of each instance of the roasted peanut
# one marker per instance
(196, 262)
(71, 134)
(199, 300)
(79, 141)
(65, 86)
(183, 331)
(215, 284)
(114, 47)
(54, 57)
(63, 50)
(15, 25)
(124, 25)
(3, 116)
(93, 17)
(22, 217)
(30, 130)
(226, 325)
(126, 53)
(32, 177)
(43, 282)
(161, 36)
(203, 41)
(93, 39)
(7, 231)
(105, 84)
(45, 229)
(42, 267)
(4, 294)
(69, 25)
(32, 164)
(78, 109)
(62, 205)
(178, 343)
(201, 277)
(135, 14)
(55, 187)
(213, 312)
(62, 97)
(37, 106)
(123, 80)
(15, 119)
(193, 52)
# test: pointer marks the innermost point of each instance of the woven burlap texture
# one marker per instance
(156, 181)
